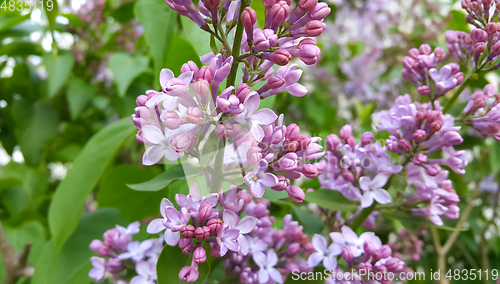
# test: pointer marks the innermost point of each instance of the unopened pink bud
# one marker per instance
(296, 193)
(215, 251)
(202, 233)
(189, 274)
(205, 211)
(425, 49)
(279, 12)
(369, 248)
(141, 100)
(193, 115)
(414, 53)
(434, 115)
(199, 255)
(95, 245)
(418, 135)
(436, 126)
(114, 264)
(433, 170)
(347, 254)
(283, 183)
(309, 54)
(347, 175)
(303, 141)
(248, 17)
(191, 66)
(187, 232)
(186, 245)
(478, 35)
(281, 57)
(306, 41)
(421, 115)
(181, 142)
(293, 249)
(242, 92)
(212, 3)
(366, 138)
(404, 145)
(332, 142)
(275, 82)
(292, 132)
(172, 120)
(315, 28)
(308, 5)
(206, 74)
(320, 11)
(310, 171)
(424, 90)
(215, 225)
(345, 132)
(451, 36)
(385, 251)
(103, 251)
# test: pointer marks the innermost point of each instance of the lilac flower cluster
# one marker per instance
(420, 67)
(482, 115)
(358, 170)
(408, 246)
(198, 226)
(124, 256)
(365, 252)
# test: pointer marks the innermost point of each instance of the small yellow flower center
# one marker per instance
(255, 178)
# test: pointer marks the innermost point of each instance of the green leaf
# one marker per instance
(164, 179)
(312, 223)
(73, 20)
(158, 29)
(494, 157)
(58, 69)
(126, 68)
(20, 48)
(6, 183)
(113, 184)
(170, 263)
(79, 95)
(9, 22)
(51, 9)
(71, 194)
(412, 222)
(213, 45)
(30, 231)
(35, 128)
(196, 36)
(124, 13)
(272, 195)
(209, 150)
(331, 200)
(180, 52)
(258, 6)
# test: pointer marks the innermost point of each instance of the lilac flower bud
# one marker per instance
(320, 11)
(172, 120)
(279, 12)
(439, 53)
(186, 245)
(376, 256)
(221, 132)
(424, 90)
(436, 126)
(109, 237)
(292, 132)
(296, 193)
(369, 249)
(421, 115)
(392, 144)
(275, 82)
(141, 100)
(193, 115)
(433, 170)
(332, 142)
(478, 35)
(103, 251)
(242, 92)
(254, 155)
(280, 57)
(495, 50)
(248, 17)
(215, 225)
(309, 54)
(434, 115)
(114, 264)
(303, 142)
(418, 135)
(414, 53)
(419, 159)
(345, 132)
(491, 28)
(95, 245)
(366, 138)
(202, 233)
(264, 39)
(451, 36)
(282, 184)
(190, 66)
(393, 264)
(199, 255)
(408, 62)
(215, 251)
(315, 28)
(404, 145)
(181, 142)
(206, 74)
(308, 5)
(347, 175)
(309, 171)
(425, 49)
(205, 211)
(288, 162)
(189, 274)
(347, 255)
(293, 249)
(187, 232)
(385, 251)
(365, 266)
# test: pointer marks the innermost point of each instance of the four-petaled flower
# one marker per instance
(146, 273)
(245, 226)
(258, 179)
(253, 118)
(323, 253)
(373, 190)
(266, 265)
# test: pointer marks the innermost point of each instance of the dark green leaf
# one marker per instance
(164, 179)
(79, 95)
(158, 29)
(58, 69)
(126, 68)
(170, 263)
(495, 157)
(331, 200)
(73, 20)
(6, 183)
(71, 194)
(124, 13)
(20, 48)
(9, 22)
(180, 52)
(113, 184)
(312, 223)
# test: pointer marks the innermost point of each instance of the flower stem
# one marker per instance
(362, 216)
(456, 95)
(231, 78)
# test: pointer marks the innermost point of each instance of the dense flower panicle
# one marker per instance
(358, 170)
(118, 253)
(482, 113)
